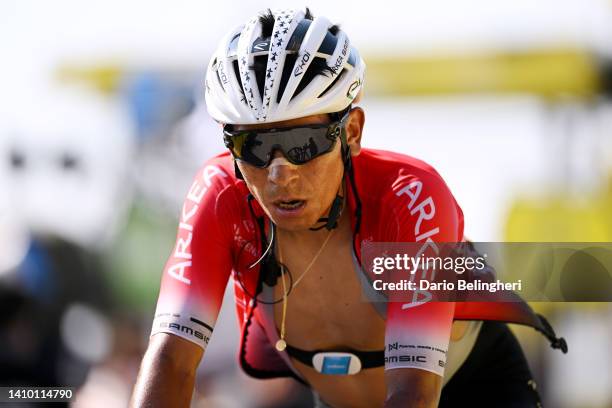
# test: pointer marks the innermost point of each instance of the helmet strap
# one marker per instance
(331, 221)
(237, 171)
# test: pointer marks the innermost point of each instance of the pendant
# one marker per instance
(281, 345)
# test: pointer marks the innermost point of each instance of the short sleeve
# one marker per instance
(197, 270)
(423, 210)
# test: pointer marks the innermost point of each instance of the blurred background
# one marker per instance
(103, 124)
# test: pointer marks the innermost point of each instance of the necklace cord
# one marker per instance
(281, 344)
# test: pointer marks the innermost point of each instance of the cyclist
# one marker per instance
(285, 211)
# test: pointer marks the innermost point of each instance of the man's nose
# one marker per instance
(281, 171)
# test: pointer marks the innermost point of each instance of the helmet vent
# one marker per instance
(318, 66)
(237, 73)
(287, 69)
(259, 66)
(344, 70)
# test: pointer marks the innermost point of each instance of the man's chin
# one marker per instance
(296, 225)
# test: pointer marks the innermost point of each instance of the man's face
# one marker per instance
(295, 196)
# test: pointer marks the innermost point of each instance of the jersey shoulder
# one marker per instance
(216, 198)
(216, 179)
(221, 164)
(406, 197)
(386, 166)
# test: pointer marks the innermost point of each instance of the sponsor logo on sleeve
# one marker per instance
(181, 258)
(406, 358)
(185, 329)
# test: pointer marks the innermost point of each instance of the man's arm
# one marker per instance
(418, 329)
(192, 287)
(167, 373)
(412, 387)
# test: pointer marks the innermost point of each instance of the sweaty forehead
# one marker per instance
(306, 120)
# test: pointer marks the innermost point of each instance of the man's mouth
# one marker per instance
(291, 204)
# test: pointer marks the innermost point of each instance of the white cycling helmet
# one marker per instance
(282, 65)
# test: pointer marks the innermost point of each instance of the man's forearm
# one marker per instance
(162, 383)
(406, 399)
(414, 388)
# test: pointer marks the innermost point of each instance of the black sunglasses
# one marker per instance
(299, 144)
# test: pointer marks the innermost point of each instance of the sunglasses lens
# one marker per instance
(303, 145)
(256, 150)
(299, 145)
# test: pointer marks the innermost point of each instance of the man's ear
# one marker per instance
(354, 128)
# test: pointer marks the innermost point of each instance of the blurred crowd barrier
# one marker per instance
(94, 171)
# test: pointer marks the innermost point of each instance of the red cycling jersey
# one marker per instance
(402, 200)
